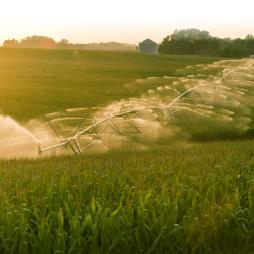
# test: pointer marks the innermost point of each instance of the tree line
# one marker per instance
(197, 42)
(36, 41)
(181, 42)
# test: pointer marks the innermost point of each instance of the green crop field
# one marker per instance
(192, 193)
(34, 82)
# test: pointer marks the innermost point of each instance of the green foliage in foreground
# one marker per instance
(184, 198)
(36, 81)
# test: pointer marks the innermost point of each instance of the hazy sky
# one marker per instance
(123, 20)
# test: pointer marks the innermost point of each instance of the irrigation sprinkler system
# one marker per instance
(78, 129)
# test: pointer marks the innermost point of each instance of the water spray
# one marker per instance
(176, 102)
(84, 137)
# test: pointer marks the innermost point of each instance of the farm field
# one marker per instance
(182, 199)
(188, 192)
(34, 81)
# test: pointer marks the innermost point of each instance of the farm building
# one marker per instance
(148, 47)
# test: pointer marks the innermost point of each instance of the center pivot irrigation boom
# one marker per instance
(78, 130)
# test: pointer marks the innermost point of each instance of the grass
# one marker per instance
(35, 81)
(180, 197)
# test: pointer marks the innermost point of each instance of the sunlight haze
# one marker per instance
(124, 21)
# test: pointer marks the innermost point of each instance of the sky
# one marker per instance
(128, 21)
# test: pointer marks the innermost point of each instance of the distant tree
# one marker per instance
(190, 41)
(190, 34)
(233, 51)
(249, 46)
(194, 41)
(249, 37)
(38, 42)
(63, 43)
(11, 43)
(206, 47)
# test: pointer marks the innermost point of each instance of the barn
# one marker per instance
(148, 47)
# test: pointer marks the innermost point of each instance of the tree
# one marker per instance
(37, 42)
(11, 43)
(195, 41)
(190, 34)
(63, 43)
(190, 41)
(249, 37)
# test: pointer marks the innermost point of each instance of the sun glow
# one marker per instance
(124, 21)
